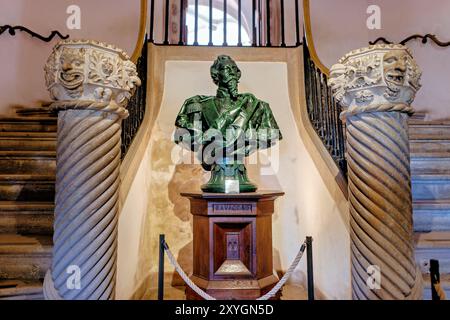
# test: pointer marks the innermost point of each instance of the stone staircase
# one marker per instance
(27, 189)
(430, 168)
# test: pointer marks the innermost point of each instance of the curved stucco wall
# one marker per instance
(308, 208)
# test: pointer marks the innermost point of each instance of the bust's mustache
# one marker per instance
(232, 85)
(229, 79)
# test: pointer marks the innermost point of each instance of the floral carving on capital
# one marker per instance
(105, 69)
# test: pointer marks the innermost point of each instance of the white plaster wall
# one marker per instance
(22, 58)
(306, 209)
(340, 26)
(131, 228)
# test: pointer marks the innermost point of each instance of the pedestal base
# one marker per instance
(233, 244)
(234, 289)
(223, 173)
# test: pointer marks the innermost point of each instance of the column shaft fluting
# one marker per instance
(87, 193)
(380, 205)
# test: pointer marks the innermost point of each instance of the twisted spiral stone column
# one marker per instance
(90, 112)
(380, 205)
(376, 86)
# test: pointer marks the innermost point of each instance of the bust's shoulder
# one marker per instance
(195, 104)
(198, 99)
(248, 95)
(251, 97)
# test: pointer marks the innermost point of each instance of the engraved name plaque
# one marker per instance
(233, 208)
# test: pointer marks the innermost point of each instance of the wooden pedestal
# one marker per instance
(233, 244)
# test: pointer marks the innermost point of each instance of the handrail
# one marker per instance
(323, 110)
(12, 32)
(142, 31)
(414, 37)
(309, 39)
(137, 104)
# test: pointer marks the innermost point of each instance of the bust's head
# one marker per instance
(226, 74)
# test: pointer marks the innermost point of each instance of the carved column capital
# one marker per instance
(91, 75)
(382, 77)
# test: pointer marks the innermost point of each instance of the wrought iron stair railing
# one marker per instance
(137, 104)
(323, 111)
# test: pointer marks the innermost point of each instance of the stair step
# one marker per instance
(26, 217)
(427, 154)
(24, 187)
(21, 290)
(435, 124)
(445, 285)
(430, 134)
(431, 165)
(433, 245)
(429, 130)
(29, 124)
(417, 121)
(20, 143)
(43, 111)
(24, 154)
(431, 186)
(28, 135)
(28, 162)
(429, 146)
(431, 205)
(432, 240)
(431, 215)
(24, 207)
(24, 257)
(418, 117)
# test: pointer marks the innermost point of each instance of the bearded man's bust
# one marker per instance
(223, 129)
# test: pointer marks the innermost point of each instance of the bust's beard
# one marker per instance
(233, 88)
(234, 93)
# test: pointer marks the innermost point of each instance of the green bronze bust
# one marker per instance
(224, 129)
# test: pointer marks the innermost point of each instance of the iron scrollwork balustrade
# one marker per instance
(323, 111)
(424, 39)
(136, 105)
(12, 31)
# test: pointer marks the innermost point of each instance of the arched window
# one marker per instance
(217, 27)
